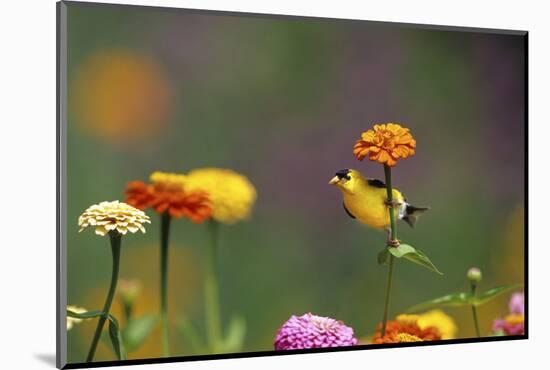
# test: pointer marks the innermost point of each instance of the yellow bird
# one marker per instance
(366, 201)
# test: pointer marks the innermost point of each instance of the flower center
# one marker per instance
(406, 337)
(514, 319)
(323, 324)
(388, 140)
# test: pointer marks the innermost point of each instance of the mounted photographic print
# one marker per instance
(235, 185)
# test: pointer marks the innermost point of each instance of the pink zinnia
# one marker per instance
(512, 324)
(517, 303)
(311, 331)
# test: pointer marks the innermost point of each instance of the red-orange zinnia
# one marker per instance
(171, 198)
(386, 144)
(395, 327)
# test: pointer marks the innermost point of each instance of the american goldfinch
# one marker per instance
(366, 201)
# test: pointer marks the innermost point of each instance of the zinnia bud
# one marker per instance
(474, 275)
(128, 290)
(311, 331)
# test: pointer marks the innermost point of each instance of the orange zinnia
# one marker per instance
(396, 327)
(169, 197)
(386, 144)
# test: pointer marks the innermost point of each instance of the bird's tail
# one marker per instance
(412, 213)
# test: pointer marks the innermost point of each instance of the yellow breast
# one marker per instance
(367, 205)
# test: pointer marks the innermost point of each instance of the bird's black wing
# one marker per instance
(376, 183)
(412, 213)
(348, 212)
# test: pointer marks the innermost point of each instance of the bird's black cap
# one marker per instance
(343, 174)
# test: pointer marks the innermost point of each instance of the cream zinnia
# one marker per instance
(110, 216)
(73, 320)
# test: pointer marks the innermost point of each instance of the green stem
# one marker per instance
(116, 240)
(393, 236)
(164, 236)
(474, 311)
(389, 192)
(387, 301)
(127, 309)
(211, 292)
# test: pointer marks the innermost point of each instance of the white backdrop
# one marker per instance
(27, 213)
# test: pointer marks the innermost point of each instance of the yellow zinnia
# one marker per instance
(439, 319)
(435, 319)
(232, 194)
(407, 319)
(171, 180)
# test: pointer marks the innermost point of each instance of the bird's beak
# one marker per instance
(335, 180)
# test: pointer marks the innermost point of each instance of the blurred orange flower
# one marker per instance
(166, 194)
(396, 330)
(139, 194)
(386, 144)
(121, 96)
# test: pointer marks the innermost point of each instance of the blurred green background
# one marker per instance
(282, 100)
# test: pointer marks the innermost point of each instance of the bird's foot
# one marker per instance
(393, 242)
(392, 203)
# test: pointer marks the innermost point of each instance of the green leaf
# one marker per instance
(464, 299)
(383, 256)
(401, 250)
(137, 331)
(236, 331)
(449, 300)
(421, 259)
(85, 315)
(189, 332)
(414, 255)
(114, 332)
(492, 293)
(116, 338)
